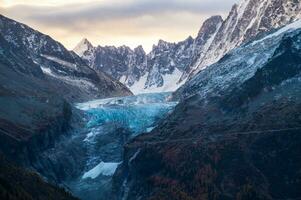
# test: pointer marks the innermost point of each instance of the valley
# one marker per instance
(110, 124)
(211, 117)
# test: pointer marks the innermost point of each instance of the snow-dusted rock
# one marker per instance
(158, 71)
(237, 66)
(57, 63)
(181, 61)
(247, 20)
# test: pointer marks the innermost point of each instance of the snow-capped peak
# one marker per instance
(83, 46)
(245, 21)
(216, 38)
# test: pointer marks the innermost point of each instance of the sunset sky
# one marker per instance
(115, 22)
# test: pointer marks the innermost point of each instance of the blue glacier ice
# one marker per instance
(136, 113)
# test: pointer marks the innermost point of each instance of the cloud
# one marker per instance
(117, 9)
(128, 17)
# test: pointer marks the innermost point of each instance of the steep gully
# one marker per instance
(85, 161)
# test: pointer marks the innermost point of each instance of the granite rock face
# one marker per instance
(246, 20)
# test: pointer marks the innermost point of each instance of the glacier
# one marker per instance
(110, 124)
(136, 113)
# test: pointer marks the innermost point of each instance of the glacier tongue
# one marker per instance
(136, 113)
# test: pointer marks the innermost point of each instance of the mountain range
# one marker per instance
(170, 63)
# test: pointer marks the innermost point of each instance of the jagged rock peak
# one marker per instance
(245, 21)
(83, 46)
(139, 49)
(163, 44)
(189, 39)
(209, 23)
(215, 38)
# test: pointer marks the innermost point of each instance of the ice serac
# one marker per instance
(245, 21)
(237, 123)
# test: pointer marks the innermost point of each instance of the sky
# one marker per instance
(115, 22)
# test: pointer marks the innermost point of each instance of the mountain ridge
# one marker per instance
(183, 60)
(56, 61)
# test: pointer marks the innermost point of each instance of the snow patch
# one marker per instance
(81, 83)
(103, 168)
(122, 79)
(170, 84)
(60, 61)
(46, 70)
(139, 85)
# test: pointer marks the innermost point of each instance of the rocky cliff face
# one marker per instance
(245, 21)
(169, 65)
(138, 71)
(238, 122)
(122, 63)
(158, 71)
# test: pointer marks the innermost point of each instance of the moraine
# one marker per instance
(110, 124)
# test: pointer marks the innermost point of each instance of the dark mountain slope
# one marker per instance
(39, 81)
(235, 135)
(58, 63)
(17, 183)
(30, 106)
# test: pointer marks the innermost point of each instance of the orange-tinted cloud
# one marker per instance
(116, 22)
